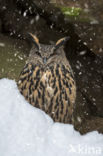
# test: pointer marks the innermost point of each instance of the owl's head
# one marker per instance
(45, 54)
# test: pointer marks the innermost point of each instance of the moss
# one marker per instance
(75, 14)
(71, 11)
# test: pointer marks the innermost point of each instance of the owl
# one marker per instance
(47, 80)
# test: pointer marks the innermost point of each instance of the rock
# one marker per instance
(88, 69)
(92, 35)
(92, 124)
(88, 23)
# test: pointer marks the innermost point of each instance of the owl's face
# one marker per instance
(45, 54)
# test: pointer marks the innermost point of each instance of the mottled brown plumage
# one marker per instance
(47, 81)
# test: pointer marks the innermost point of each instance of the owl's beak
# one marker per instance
(44, 60)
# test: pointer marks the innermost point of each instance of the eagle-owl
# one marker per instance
(47, 80)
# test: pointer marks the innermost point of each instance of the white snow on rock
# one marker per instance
(28, 131)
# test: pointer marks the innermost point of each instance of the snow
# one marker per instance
(2, 44)
(26, 130)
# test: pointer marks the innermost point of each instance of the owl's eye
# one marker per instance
(51, 54)
(38, 53)
(54, 53)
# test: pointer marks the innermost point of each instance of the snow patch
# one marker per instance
(26, 130)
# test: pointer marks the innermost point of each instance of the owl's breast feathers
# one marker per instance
(51, 89)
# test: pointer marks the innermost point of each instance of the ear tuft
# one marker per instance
(34, 39)
(61, 42)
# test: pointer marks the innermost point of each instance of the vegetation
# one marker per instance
(71, 11)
